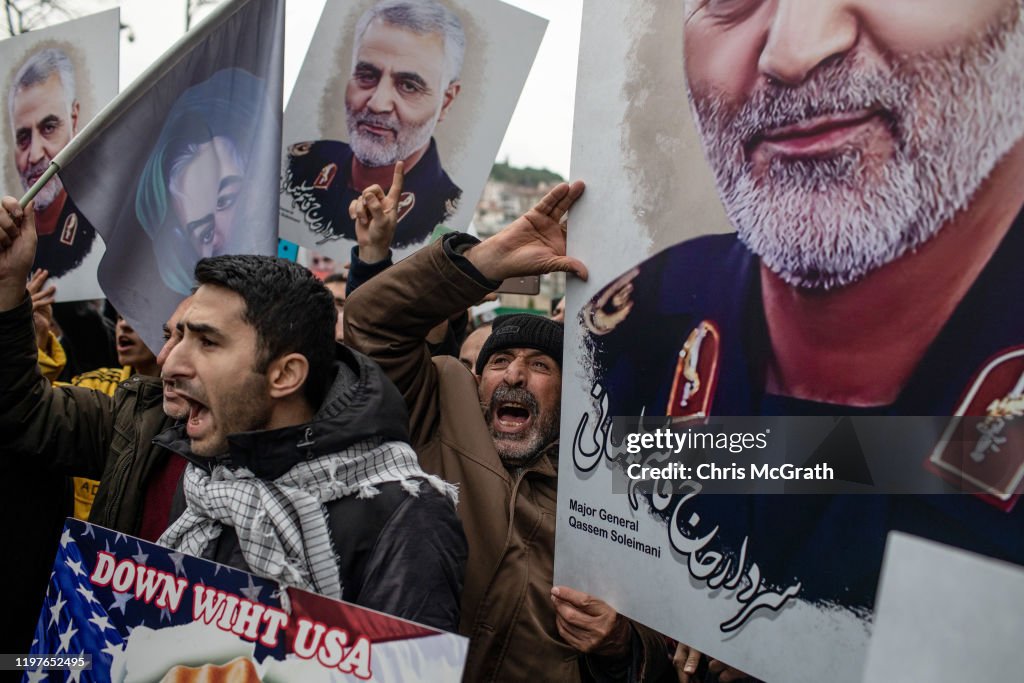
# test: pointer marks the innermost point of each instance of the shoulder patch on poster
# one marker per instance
(982, 449)
(67, 233)
(300, 149)
(696, 376)
(326, 176)
(405, 204)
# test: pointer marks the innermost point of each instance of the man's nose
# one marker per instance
(36, 149)
(515, 373)
(176, 362)
(383, 99)
(804, 34)
(165, 351)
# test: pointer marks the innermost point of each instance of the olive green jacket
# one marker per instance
(77, 431)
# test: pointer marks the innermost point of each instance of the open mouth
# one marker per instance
(198, 417)
(819, 135)
(124, 344)
(512, 417)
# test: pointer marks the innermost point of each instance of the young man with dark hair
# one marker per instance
(361, 541)
(279, 411)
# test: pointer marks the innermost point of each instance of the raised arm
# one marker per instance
(388, 318)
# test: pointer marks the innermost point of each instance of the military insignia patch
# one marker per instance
(300, 149)
(326, 176)
(405, 204)
(67, 233)
(696, 376)
(982, 449)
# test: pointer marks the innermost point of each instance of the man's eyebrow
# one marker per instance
(411, 76)
(201, 328)
(201, 223)
(366, 67)
(46, 120)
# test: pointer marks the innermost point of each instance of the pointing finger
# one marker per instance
(396, 182)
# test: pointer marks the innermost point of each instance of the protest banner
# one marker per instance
(773, 212)
(432, 83)
(141, 612)
(56, 79)
(183, 163)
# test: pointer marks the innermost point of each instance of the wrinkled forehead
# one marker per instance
(48, 94)
(385, 45)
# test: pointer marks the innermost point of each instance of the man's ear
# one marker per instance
(75, 108)
(287, 375)
(450, 93)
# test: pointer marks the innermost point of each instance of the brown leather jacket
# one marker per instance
(509, 517)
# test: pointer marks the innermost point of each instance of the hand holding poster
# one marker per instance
(431, 83)
(848, 202)
(145, 613)
(57, 79)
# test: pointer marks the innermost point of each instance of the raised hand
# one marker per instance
(376, 217)
(17, 250)
(534, 243)
(43, 298)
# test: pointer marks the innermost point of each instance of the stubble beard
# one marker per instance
(518, 450)
(50, 191)
(826, 222)
(376, 151)
(247, 408)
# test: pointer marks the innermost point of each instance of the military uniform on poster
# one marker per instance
(696, 345)
(71, 240)
(319, 182)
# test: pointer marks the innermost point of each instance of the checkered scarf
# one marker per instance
(281, 524)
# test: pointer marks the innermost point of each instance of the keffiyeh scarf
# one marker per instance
(281, 524)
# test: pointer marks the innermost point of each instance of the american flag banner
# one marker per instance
(145, 613)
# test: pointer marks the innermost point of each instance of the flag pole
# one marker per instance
(50, 171)
(133, 92)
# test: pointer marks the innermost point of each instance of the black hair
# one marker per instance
(290, 309)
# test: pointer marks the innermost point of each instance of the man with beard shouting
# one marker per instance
(496, 436)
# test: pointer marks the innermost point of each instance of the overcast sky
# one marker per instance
(541, 128)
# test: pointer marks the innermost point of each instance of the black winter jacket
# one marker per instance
(397, 553)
